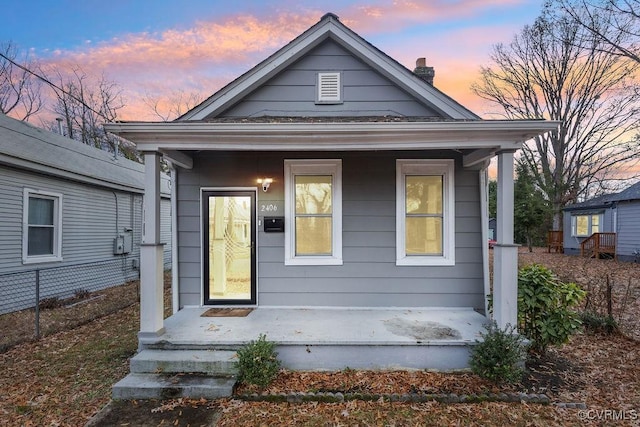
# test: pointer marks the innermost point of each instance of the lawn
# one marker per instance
(65, 378)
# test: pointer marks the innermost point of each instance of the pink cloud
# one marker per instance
(234, 40)
(400, 13)
(202, 58)
(210, 54)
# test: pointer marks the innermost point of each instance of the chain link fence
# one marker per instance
(47, 300)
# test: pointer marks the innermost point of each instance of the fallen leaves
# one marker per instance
(65, 378)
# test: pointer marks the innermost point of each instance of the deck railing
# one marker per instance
(555, 241)
(598, 245)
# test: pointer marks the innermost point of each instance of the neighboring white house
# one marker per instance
(72, 211)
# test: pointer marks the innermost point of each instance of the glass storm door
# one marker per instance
(229, 247)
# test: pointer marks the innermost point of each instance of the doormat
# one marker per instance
(227, 312)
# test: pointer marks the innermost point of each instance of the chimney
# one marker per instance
(59, 120)
(425, 73)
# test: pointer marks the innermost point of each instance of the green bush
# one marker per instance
(500, 355)
(258, 362)
(598, 323)
(545, 313)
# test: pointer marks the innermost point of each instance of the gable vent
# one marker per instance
(329, 88)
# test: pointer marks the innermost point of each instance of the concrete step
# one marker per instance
(162, 386)
(210, 362)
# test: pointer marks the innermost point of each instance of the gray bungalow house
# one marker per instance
(612, 219)
(70, 212)
(343, 199)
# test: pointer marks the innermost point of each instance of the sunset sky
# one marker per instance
(155, 47)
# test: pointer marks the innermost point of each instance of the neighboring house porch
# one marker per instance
(606, 226)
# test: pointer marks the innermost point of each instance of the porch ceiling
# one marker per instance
(483, 138)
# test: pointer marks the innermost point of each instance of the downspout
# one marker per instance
(484, 221)
(115, 196)
(175, 295)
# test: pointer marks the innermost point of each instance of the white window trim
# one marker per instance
(574, 224)
(57, 232)
(445, 168)
(292, 168)
(321, 97)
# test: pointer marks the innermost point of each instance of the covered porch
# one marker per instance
(476, 141)
(195, 355)
(334, 338)
(390, 336)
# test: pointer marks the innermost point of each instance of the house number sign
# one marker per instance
(270, 207)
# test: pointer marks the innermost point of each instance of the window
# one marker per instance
(329, 90)
(42, 227)
(313, 212)
(425, 215)
(585, 225)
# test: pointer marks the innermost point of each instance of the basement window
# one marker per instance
(329, 88)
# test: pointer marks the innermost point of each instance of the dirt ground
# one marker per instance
(598, 371)
(65, 378)
(177, 413)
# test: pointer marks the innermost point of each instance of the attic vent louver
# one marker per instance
(329, 88)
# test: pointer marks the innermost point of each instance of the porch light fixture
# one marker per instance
(266, 182)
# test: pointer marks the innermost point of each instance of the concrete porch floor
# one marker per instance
(335, 338)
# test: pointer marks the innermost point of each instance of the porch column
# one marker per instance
(505, 255)
(151, 252)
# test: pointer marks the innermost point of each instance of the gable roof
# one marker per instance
(27, 147)
(329, 27)
(630, 193)
(203, 128)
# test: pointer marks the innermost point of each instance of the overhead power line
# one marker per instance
(55, 86)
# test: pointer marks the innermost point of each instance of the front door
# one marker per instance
(229, 247)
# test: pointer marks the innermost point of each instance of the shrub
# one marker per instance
(258, 362)
(598, 323)
(545, 314)
(49, 303)
(500, 355)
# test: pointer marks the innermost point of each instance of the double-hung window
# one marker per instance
(425, 215)
(41, 227)
(585, 225)
(313, 212)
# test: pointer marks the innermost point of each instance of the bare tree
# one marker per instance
(20, 91)
(85, 106)
(175, 105)
(616, 23)
(550, 71)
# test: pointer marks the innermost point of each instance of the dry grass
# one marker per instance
(66, 377)
(593, 276)
(20, 326)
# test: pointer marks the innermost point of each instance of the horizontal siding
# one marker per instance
(628, 228)
(573, 243)
(369, 208)
(91, 219)
(366, 270)
(361, 299)
(10, 219)
(365, 92)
